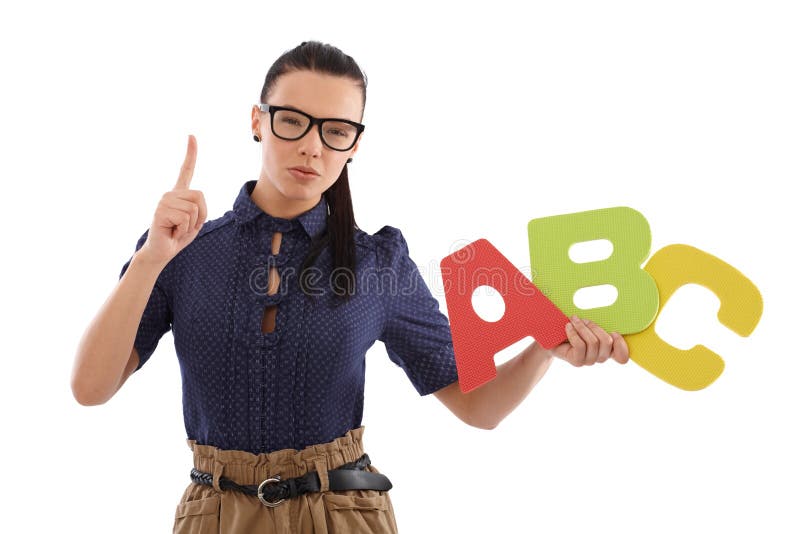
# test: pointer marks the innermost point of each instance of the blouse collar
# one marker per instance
(312, 221)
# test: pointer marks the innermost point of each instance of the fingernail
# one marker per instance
(570, 328)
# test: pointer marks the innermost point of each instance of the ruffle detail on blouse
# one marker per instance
(390, 246)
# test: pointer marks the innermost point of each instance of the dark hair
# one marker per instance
(341, 225)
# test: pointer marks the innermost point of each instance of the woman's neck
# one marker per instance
(274, 203)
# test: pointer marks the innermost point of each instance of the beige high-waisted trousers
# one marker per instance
(209, 509)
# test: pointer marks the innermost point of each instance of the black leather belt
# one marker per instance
(273, 491)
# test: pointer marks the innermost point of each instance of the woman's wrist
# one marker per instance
(537, 353)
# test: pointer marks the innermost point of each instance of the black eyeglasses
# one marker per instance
(291, 124)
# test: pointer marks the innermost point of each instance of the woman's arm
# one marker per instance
(489, 404)
(105, 356)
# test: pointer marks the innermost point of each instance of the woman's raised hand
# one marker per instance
(587, 343)
(179, 216)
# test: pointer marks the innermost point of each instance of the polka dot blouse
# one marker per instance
(302, 382)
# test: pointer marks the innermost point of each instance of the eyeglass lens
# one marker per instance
(291, 125)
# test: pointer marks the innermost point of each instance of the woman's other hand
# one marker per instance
(179, 216)
(587, 343)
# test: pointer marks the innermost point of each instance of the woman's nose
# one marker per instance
(310, 144)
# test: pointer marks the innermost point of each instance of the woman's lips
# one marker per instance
(300, 175)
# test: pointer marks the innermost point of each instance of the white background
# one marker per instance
(478, 120)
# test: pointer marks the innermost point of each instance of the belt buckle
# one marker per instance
(273, 480)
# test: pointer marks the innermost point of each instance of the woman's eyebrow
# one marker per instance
(304, 111)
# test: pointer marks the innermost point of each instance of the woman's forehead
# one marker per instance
(321, 95)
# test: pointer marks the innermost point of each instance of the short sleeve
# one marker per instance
(416, 333)
(157, 316)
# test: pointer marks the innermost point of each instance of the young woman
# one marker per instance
(273, 307)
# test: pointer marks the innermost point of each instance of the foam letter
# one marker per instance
(740, 310)
(559, 277)
(527, 311)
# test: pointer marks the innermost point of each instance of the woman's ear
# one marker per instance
(355, 147)
(255, 118)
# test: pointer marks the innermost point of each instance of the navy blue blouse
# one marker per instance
(303, 382)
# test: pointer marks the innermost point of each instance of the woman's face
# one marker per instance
(319, 95)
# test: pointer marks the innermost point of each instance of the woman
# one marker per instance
(273, 307)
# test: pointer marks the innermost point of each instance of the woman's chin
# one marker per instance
(300, 192)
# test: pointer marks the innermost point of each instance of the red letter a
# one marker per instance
(527, 311)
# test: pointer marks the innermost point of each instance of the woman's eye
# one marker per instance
(290, 120)
(336, 131)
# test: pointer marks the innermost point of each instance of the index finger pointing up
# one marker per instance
(187, 170)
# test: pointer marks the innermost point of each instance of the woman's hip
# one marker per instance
(329, 487)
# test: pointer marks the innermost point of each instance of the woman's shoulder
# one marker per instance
(387, 237)
(388, 243)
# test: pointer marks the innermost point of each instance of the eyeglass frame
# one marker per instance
(271, 109)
